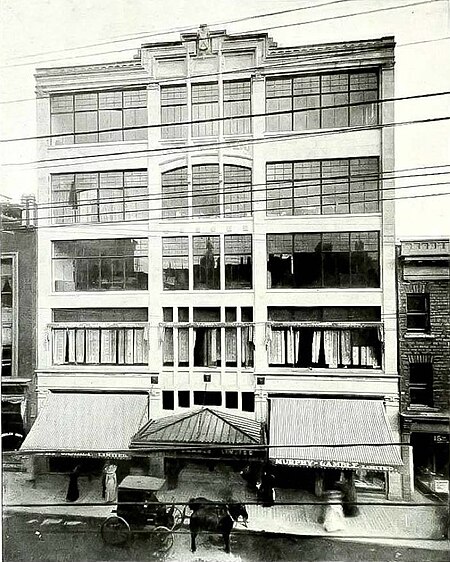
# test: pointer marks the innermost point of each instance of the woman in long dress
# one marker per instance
(73, 493)
(110, 483)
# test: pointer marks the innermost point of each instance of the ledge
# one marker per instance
(410, 336)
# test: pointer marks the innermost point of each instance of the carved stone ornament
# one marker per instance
(204, 46)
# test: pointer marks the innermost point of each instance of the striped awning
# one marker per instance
(205, 426)
(332, 433)
(87, 424)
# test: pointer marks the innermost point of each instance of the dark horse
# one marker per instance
(214, 517)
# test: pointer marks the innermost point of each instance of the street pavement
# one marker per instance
(389, 523)
(40, 538)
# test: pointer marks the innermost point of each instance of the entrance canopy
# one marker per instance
(199, 427)
(331, 433)
(86, 424)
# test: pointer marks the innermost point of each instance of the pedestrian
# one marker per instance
(73, 493)
(104, 479)
(334, 515)
(266, 488)
(110, 483)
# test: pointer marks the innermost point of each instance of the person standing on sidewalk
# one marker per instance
(266, 488)
(73, 492)
(110, 483)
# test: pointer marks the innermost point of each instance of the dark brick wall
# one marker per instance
(433, 347)
(22, 242)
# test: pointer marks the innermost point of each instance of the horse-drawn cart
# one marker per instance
(140, 511)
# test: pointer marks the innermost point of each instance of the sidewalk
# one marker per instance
(423, 526)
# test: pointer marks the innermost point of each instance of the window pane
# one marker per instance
(86, 121)
(63, 123)
(308, 260)
(206, 262)
(205, 106)
(238, 262)
(205, 190)
(135, 118)
(175, 263)
(237, 191)
(236, 97)
(175, 193)
(100, 265)
(279, 260)
(110, 119)
(134, 98)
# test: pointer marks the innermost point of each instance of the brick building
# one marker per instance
(424, 360)
(18, 320)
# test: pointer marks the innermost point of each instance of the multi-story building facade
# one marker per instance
(424, 360)
(18, 322)
(215, 231)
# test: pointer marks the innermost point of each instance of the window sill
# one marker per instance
(324, 371)
(96, 144)
(100, 292)
(419, 335)
(290, 132)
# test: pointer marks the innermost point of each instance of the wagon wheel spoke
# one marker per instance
(115, 531)
(177, 518)
(164, 538)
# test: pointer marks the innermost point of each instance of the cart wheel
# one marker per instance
(115, 530)
(163, 537)
(177, 518)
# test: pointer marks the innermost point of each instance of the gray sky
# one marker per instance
(43, 33)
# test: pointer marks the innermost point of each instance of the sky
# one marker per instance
(46, 33)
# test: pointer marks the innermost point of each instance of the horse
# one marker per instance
(214, 517)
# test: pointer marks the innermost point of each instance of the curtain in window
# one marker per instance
(71, 351)
(231, 345)
(168, 346)
(331, 348)
(346, 356)
(92, 346)
(277, 349)
(59, 347)
(108, 346)
(183, 346)
(80, 346)
(129, 345)
(317, 336)
(139, 347)
(247, 346)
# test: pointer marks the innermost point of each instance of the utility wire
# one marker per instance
(229, 214)
(121, 155)
(252, 68)
(264, 29)
(234, 118)
(238, 188)
(374, 196)
(143, 35)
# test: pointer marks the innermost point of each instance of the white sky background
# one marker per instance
(44, 33)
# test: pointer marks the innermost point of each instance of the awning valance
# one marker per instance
(84, 422)
(332, 433)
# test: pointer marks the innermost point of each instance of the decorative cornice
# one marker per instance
(88, 68)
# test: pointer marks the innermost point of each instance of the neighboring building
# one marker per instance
(18, 321)
(424, 359)
(200, 256)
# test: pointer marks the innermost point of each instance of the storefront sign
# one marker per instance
(331, 464)
(441, 486)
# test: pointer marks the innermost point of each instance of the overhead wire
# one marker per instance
(233, 118)
(185, 29)
(264, 29)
